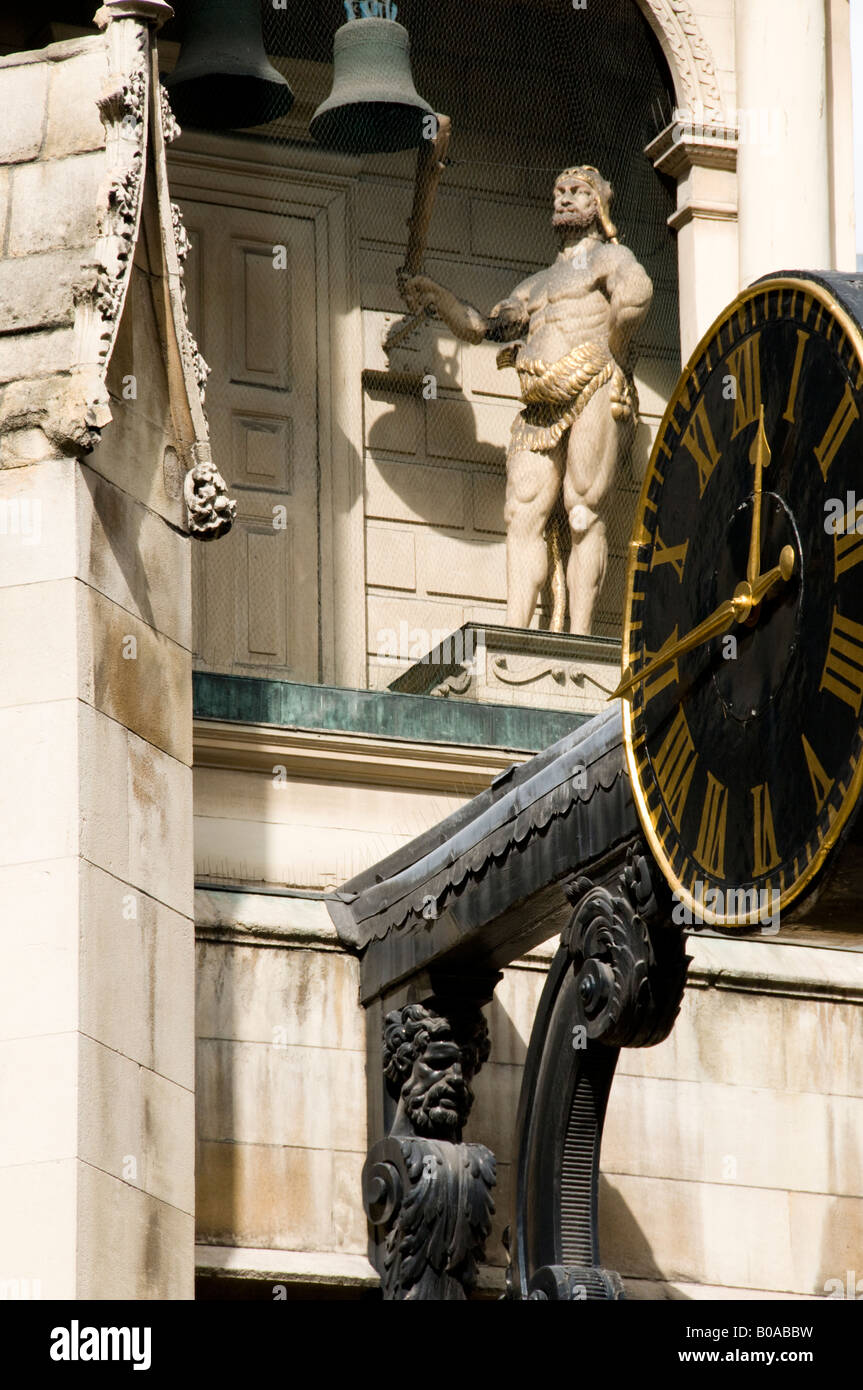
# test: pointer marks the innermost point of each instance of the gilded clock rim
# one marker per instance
(794, 890)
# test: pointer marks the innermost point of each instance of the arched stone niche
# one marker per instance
(698, 149)
(687, 53)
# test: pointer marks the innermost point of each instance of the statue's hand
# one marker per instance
(507, 355)
(419, 293)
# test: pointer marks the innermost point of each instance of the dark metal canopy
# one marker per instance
(565, 809)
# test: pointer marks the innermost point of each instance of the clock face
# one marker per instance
(745, 751)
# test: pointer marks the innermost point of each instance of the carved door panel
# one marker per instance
(250, 282)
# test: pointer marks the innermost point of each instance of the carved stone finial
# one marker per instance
(211, 511)
(149, 11)
(427, 1194)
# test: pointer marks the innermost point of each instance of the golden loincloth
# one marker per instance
(554, 396)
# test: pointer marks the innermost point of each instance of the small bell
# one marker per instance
(373, 107)
(223, 79)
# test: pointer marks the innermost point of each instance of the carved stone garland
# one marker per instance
(211, 511)
(100, 293)
(616, 981)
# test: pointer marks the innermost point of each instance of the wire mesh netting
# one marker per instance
(372, 485)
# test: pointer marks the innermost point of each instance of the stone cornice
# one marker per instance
(674, 152)
(348, 757)
(154, 12)
(704, 209)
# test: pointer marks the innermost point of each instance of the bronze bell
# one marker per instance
(223, 79)
(373, 106)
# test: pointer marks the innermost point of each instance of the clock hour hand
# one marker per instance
(734, 610)
(759, 457)
(771, 582)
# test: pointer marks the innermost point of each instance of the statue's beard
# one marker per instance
(574, 221)
(439, 1110)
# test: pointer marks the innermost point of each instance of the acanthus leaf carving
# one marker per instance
(616, 981)
(630, 964)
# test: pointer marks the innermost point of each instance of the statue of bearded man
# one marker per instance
(570, 331)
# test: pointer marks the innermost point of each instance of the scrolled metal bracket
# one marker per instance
(617, 981)
(572, 1284)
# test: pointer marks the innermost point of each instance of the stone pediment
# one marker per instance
(82, 167)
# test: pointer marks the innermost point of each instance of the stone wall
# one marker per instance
(730, 1163)
(97, 1043)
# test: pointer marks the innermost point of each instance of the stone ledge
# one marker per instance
(661, 1290)
(252, 918)
(53, 52)
(308, 1267)
(284, 1266)
(764, 965)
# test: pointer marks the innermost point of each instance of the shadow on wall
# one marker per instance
(623, 1244)
(446, 497)
(840, 1273)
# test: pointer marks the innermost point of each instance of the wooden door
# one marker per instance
(250, 284)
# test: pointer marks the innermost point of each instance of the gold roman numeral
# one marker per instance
(843, 667)
(745, 365)
(822, 785)
(766, 854)
(834, 437)
(698, 439)
(667, 675)
(674, 765)
(847, 545)
(674, 555)
(710, 850)
(802, 340)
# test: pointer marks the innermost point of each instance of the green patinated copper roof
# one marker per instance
(419, 718)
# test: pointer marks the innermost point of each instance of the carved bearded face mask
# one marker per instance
(435, 1093)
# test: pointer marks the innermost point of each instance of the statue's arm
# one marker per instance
(506, 321)
(630, 290)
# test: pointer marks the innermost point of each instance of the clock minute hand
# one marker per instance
(734, 610)
(759, 457)
(718, 622)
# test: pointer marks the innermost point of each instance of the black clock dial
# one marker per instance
(745, 752)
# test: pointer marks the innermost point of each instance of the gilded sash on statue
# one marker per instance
(554, 396)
